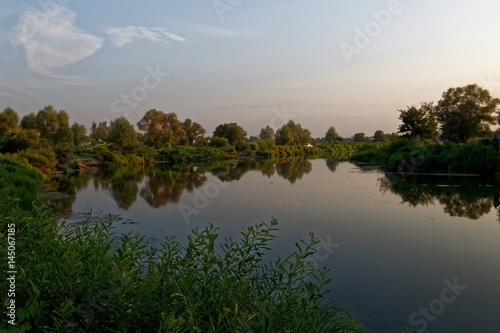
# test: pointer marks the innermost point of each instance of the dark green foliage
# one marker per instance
(417, 123)
(331, 135)
(360, 137)
(416, 156)
(233, 132)
(194, 133)
(79, 134)
(219, 142)
(83, 278)
(122, 135)
(292, 134)
(465, 112)
(9, 121)
(21, 139)
(267, 134)
(19, 186)
(99, 132)
(380, 136)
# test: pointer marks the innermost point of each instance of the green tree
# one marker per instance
(219, 142)
(380, 136)
(267, 133)
(292, 134)
(194, 132)
(463, 112)
(122, 134)
(79, 134)
(53, 126)
(160, 129)
(331, 135)
(392, 137)
(9, 121)
(360, 137)
(417, 122)
(28, 121)
(233, 132)
(99, 132)
(21, 139)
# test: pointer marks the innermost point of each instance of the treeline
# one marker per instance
(46, 139)
(462, 114)
(452, 136)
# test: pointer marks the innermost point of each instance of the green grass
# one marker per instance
(19, 186)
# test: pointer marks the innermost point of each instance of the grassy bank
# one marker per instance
(476, 157)
(82, 278)
(179, 154)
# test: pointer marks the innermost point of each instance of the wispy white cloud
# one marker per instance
(51, 40)
(121, 37)
(12, 90)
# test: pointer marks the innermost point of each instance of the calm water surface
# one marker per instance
(419, 252)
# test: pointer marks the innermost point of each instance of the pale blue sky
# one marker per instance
(254, 62)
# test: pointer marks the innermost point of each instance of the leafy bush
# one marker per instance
(19, 186)
(218, 142)
(44, 159)
(81, 278)
(414, 156)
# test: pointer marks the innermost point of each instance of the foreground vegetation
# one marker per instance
(413, 155)
(82, 278)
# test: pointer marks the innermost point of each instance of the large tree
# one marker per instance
(9, 121)
(360, 137)
(99, 132)
(465, 112)
(267, 133)
(193, 132)
(418, 122)
(331, 135)
(379, 136)
(292, 134)
(122, 134)
(53, 125)
(79, 134)
(233, 132)
(161, 129)
(28, 121)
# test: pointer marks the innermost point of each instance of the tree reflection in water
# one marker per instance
(161, 184)
(470, 197)
(294, 169)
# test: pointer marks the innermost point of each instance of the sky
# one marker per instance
(350, 64)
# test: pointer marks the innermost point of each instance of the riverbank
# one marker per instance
(100, 155)
(477, 157)
(82, 277)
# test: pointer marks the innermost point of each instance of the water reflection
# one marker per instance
(294, 169)
(470, 197)
(163, 184)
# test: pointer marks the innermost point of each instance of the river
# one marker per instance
(406, 252)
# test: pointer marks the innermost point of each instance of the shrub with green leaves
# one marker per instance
(19, 186)
(81, 278)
